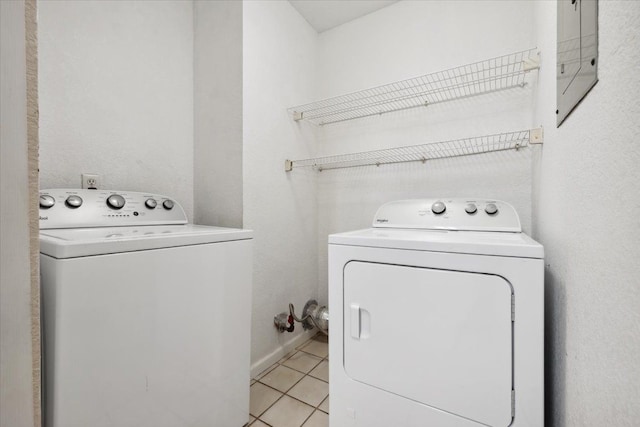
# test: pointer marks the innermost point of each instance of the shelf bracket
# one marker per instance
(536, 136)
(297, 116)
(531, 64)
(288, 165)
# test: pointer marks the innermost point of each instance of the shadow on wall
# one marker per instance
(555, 348)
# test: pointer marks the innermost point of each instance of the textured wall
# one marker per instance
(33, 132)
(404, 40)
(218, 113)
(279, 49)
(116, 95)
(17, 405)
(586, 203)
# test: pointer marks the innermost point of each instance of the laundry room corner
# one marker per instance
(217, 97)
(279, 68)
(116, 95)
(585, 196)
(314, 213)
(397, 42)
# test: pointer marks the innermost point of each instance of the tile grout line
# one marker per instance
(297, 370)
(302, 372)
(265, 372)
(318, 407)
(292, 397)
(307, 419)
(282, 394)
(293, 369)
(289, 389)
(315, 408)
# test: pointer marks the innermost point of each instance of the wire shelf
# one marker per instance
(491, 75)
(424, 152)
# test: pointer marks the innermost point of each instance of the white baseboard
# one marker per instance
(277, 354)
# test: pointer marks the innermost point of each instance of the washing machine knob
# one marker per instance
(471, 208)
(46, 201)
(167, 204)
(115, 201)
(438, 208)
(73, 202)
(151, 203)
(491, 209)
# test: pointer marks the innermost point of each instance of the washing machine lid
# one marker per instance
(466, 242)
(78, 242)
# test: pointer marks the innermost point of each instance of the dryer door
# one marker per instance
(441, 338)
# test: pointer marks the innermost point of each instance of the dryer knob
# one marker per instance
(167, 204)
(471, 208)
(491, 209)
(438, 208)
(151, 203)
(73, 202)
(115, 201)
(46, 201)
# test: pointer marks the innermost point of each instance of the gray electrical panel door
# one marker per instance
(577, 65)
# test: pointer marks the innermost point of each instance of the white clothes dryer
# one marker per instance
(145, 317)
(436, 318)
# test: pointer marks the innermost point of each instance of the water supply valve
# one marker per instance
(284, 322)
(313, 316)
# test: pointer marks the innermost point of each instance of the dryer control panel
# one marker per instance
(79, 208)
(449, 214)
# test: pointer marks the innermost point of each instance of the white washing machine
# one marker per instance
(437, 318)
(146, 318)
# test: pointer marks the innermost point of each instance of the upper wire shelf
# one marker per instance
(424, 152)
(490, 75)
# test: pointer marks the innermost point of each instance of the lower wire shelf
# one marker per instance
(423, 152)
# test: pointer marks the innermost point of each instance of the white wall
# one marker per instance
(587, 187)
(117, 98)
(279, 51)
(116, 95)
(218, 113)
(404, 40)
(16, 378)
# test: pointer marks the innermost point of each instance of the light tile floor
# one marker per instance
(294, 392)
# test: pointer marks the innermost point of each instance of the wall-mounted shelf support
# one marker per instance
(288, 165)
(531, 63)
(423, 152)
(491, 75)
(536, 136)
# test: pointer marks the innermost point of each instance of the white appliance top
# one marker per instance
(77, 242)
(449, 214)
(75, 223)
(458, 228)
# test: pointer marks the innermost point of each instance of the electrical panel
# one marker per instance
(577, 57)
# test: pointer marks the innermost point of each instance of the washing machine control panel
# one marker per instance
(449, 214)
(76, 208)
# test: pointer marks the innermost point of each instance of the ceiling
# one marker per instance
(326, 14)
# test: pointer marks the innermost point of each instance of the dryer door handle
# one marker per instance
(355, 321)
